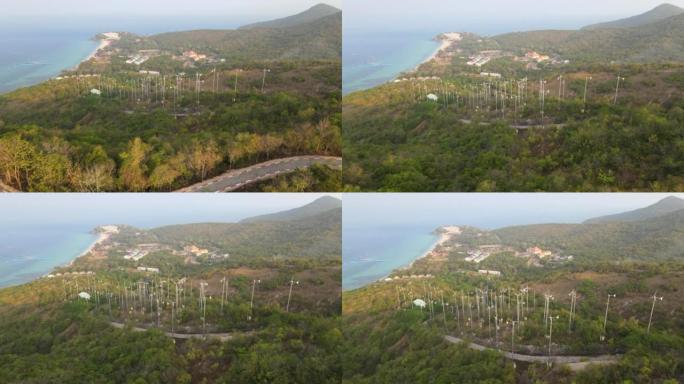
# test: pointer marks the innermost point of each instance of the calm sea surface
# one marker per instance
(32, 51)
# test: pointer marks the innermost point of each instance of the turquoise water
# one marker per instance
(30, 57)
(34, 50)
(370, 254)
(27, 253)
(372, 60)
(39, 232)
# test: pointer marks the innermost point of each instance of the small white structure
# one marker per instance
(148, 269)
(419, 303)
(84, 295)
(110, 228)
(489, 273)
(432, 97)
(96, 92)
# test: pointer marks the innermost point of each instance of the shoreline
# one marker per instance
(444, 236)
(34, 276)
(447, 39)
(104, 43)
(101, 237)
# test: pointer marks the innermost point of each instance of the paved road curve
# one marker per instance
(238, 178)
(574, 362)
(186, 336)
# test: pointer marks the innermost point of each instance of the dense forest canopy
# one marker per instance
(590, 110)
(158, 113)
(615, 309)
(211, 304)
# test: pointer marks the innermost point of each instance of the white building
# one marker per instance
(419, 303)
(489, 273)
(432, 97)
(84, 295)
(96, 92)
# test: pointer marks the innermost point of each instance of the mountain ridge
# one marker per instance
(661, 208)
(321, 205)
(659, 13)
(314, 13)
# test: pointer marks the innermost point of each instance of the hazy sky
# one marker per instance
(61, 8)
(142, 209)
(484, 15)
(486, 211)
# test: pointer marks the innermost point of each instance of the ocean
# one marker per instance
(370, 254)
(34, 50)
(383, 232)
(39, 232)
(372, 56)
(27, 253)
(370, 59)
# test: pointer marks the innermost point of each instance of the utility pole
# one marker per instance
(617, 88)
(573, 300)
(203, 304)
(263, 80)
(513, 323)
(605, 318)
(550, 335)
(251, 300)
(650, 318)
(586, 86)
(289, 295)
(236, 84)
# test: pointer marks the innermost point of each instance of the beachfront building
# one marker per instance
(194, 55)
(135, 254)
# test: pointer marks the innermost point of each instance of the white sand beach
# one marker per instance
(447, 39)
(446, 235)
(109, 38)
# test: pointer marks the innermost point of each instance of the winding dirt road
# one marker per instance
(185, 336)
(575, 363)
(238, 178)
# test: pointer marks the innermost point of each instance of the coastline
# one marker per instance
(60, 253)
(104, 43)
(439, 241)
(445, 44)
(447, 40)
(101, 238)
(106, 40)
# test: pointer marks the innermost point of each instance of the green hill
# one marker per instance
(657, 14)
(661, 208)
(657, 42)
(318, 39)
(314, 13)
(659, 238)
(317, 207)
(316, 236)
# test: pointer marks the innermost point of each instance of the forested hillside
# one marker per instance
(198, 303)
(158, 113)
